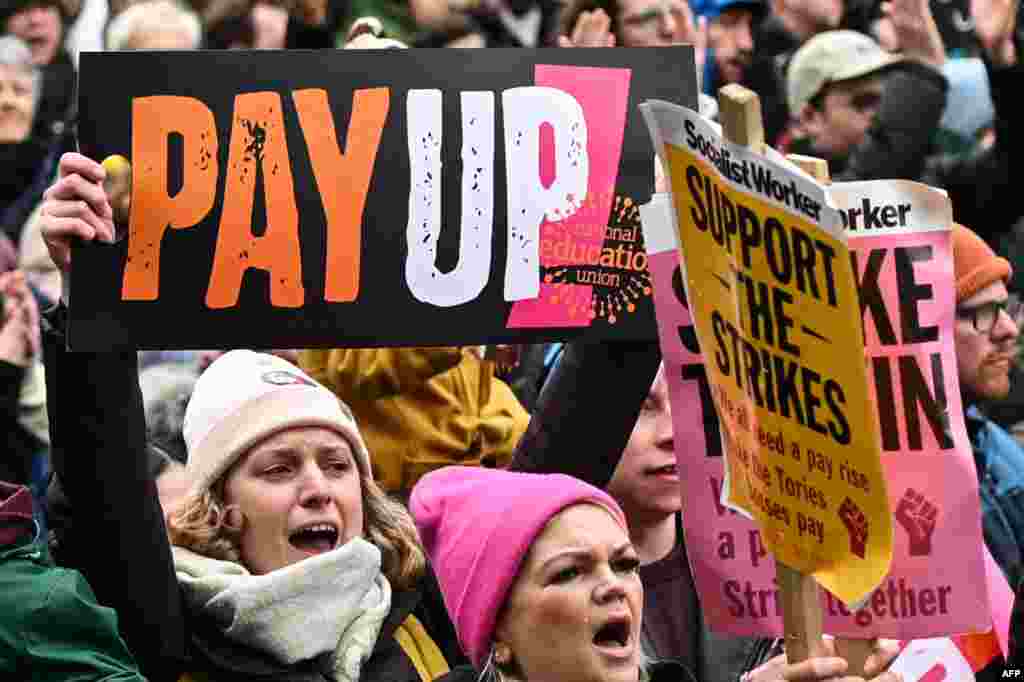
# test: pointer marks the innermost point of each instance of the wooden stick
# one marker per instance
(854, 650)
(739, 111)
(813, 166)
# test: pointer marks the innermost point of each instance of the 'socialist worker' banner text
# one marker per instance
(774, 302)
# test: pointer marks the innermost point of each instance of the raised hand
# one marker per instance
(75, 207)
(994, 23)
(916, 31)
(592, 29)
(19, 320)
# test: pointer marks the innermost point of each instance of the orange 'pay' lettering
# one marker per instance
(258, 143)
(153, 210)
(343, 200)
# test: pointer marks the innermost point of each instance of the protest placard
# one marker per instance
(732, 570)
(772, 294)
(373, 198)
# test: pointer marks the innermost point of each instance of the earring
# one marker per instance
(502, 654)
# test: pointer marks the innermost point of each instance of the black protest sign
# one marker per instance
(385, 198)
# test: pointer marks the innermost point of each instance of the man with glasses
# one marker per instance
(986, 335)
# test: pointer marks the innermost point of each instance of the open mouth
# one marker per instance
(35, 42)
(315, 538)
(667, 470)
(615, 636)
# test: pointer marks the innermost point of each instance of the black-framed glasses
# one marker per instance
(984, 317)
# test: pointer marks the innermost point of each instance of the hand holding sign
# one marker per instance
(831, 665)
(75, 207)
(118, 186)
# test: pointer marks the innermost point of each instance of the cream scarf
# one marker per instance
(331, 603)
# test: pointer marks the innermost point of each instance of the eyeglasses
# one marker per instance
(983, 317)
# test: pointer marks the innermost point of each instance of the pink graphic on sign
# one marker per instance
(930, 471)
(577, 240)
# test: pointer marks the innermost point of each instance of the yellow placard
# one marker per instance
(774, 301)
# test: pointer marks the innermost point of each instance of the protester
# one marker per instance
(289, 561)
(495, 23)
(423, 408)
(166, 389)
(872, 115)
(51, 627)
(155, 25)
(41, 24)
(25, 158)
(646, 485)
(985, 337)
(541, 580)
(730, 39)
(643, 479)
(629, 23)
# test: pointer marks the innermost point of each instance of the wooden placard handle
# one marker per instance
(739, 111)
(855, 651)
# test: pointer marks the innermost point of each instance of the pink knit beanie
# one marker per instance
(477, 525)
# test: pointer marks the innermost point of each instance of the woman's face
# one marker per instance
(299, 493)
(39, 25)
(574, 613)
(17, 103)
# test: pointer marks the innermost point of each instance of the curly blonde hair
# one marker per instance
(203, 523)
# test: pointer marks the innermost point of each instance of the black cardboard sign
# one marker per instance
(373, 198)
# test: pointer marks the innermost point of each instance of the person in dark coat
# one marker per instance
(872, 115)
(288, 561)
(42, 24)
(26, 157)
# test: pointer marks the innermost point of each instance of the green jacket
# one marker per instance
(51, 627)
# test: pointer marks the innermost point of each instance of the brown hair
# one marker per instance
(204, 525)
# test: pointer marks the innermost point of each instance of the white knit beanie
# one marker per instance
(243, 398)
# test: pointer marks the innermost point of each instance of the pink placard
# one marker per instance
(937, 583)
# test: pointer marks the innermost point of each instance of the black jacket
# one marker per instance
(120, 543)
(899, 140)
(18, 446)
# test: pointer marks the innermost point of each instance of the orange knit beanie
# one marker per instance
(975, 264)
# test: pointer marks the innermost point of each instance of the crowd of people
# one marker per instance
(454, 513)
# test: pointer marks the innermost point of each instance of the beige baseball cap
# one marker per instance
(830, 57)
